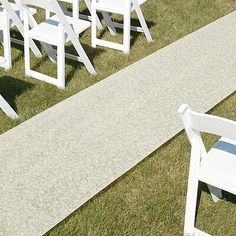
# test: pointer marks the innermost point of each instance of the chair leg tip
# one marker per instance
(126, 52)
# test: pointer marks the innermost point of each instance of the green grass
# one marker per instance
(150, 199)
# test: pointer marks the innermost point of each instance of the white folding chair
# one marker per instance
(7, 108)
(215, 167)
(56, 30)
(11, 16)
(123, 7)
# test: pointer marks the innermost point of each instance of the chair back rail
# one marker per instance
(15, 18)
(52, 6)
(210, 123)
(45, 4)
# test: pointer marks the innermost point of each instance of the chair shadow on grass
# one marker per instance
(203, 188)
(11, 88)
(133, 35)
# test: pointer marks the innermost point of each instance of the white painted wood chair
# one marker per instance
(56, 30)
(216, 168)
(12, 16)
(7, 108)
(123, 7)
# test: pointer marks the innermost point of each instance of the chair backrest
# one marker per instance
(12, 14)
(15, 17)
(140, 2)
(195, 122)
(45, 4)
(52, 6)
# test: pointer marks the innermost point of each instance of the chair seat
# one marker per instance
(18, 13)
(219, 167)
(116, 6)
(47, 31)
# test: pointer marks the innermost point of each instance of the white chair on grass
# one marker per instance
(7, 108)
(216, 167)
(11, 16)
(122, 7)
(56, 30)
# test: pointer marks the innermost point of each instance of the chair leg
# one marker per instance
(61, 59)
(27, 56)
(142, 22)
(216, 193)
(7, 109)
(109, 23)
(1, 37)
(7, 41)
(26, 44)
(192, 192)
(126, 36)
(83, 56)
(191, 203)
(85, 59)
(93, 27)
(98, 22)
(50, 52)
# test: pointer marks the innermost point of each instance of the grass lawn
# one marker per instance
(150, 199)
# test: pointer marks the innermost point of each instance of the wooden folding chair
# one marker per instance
(56, 30)
(216, 167)
(10, 16)
(123, 7)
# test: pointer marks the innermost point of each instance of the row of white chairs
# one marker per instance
(60, 28)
